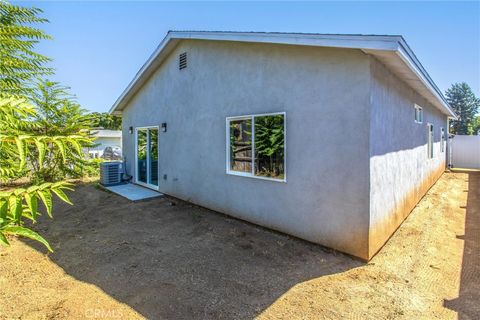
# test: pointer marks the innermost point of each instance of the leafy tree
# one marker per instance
(465, 104)
(476, 125)
(58, 114)
(19, 204)
(57, 110)
(106, 121)
(19, 64)
(19, 135)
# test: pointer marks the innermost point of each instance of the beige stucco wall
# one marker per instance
(400, 170)
(325, 94)
(356, 161)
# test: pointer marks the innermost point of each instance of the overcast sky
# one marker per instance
(99, 46)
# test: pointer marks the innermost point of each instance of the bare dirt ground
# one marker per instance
(115, 259)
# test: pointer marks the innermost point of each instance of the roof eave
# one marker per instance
(338, 41)
(141, 74)
(363, 42)
(318, 40)
(409, 58)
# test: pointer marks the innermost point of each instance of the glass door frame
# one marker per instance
(146, 184)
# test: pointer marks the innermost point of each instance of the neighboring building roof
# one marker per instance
(391, 50)
(107, 133)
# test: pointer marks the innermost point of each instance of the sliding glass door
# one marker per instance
(147, 156)
(153, 161)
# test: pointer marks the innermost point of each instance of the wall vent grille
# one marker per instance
(182, 61)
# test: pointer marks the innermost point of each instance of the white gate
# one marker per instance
(465, 152)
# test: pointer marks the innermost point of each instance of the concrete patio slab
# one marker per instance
(133, 192)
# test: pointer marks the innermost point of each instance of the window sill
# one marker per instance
(249, 175)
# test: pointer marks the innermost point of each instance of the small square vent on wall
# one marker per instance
(182, 61)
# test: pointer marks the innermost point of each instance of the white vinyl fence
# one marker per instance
(465, 152)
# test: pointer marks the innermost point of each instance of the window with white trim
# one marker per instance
(256, 146)
(442, 140)
(430, 140)
(418, 114)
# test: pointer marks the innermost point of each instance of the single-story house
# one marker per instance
(330, 138)
(103, 139)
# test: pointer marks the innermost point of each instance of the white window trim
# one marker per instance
(252, 173)
(420, 109)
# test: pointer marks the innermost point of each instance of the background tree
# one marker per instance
(106, 121)
(58, 114)
(476, 125)
(465, 104)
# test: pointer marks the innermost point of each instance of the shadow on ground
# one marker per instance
(467, 304)
(179, 261)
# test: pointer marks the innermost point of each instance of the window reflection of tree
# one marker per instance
(269, 146)
(142, 155)
(153, 156)
(241, 145)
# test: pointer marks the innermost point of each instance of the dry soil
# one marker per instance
(167, 259)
